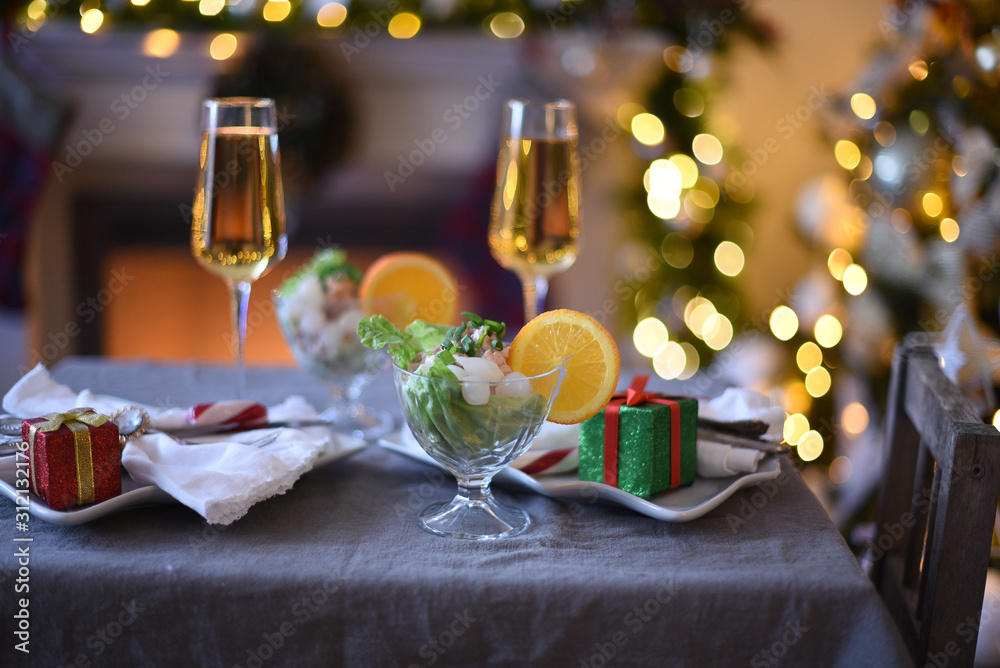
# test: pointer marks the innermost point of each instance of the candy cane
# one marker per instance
(228, 412)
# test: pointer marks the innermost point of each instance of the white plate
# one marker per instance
(134, 493)
(678, 505)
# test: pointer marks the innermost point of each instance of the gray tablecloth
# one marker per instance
(336, 572)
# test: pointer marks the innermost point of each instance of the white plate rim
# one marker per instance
(563, 487)
(146, 495)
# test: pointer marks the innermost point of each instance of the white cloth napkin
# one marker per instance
(219, 480)
(719, 460)
(715, 460)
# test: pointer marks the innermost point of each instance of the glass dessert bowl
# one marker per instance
(474, 428)
(318, 314)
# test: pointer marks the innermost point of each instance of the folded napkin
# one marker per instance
(555, 448)
(719, 460)
(220, 479)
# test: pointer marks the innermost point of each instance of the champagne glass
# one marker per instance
(535, 216)
(238, 218)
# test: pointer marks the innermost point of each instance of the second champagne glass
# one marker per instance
(535, 215)
(238, 217)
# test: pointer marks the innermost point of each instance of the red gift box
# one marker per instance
(74, 458)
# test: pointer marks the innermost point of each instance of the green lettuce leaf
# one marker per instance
(377, 332)
(426, 336)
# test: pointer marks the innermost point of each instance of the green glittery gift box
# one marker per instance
(647, 461)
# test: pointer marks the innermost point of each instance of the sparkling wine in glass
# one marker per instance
(238, 218)
(535, 215)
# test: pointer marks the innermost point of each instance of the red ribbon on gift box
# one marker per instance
(633, 396)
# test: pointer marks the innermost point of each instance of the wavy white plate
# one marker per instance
(678, 505)
(133, 493)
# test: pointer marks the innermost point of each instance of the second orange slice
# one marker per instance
(406, 286)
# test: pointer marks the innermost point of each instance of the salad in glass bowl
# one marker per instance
(318, 312)
(468, 410)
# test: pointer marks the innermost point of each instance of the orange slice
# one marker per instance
(407, 286)
(592, 361)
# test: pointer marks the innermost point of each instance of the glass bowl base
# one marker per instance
(359, 421)
(473, 520)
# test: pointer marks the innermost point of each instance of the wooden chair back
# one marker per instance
(936, 510)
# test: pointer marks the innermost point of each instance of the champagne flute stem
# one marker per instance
(535, 289)
(239, 292)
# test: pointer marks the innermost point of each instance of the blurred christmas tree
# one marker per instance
(688, 234)
(904, 236)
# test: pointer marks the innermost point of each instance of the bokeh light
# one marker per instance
(729, 258)
(678, 59)
(717, 331)
(649, 335)
(863, 105)
(161, 43)
(840, 470)
(648, 129)
(855, 279)
(818, 382)
(854, 418)
(808, 357)
(828, 331)
(920, 122)
(211, 7)
(91, 20)
(847, 153)
(663, 180)
(669, 361)
(688, 169)
(838, 262)
(223, 46)
(331, 15)
(810, 446)
(707, 149)
(506, 25)
(784, 323)
(933, 204)
(276, 10)
(404, 25)
(796, 425)
(918, 70)
(36, 9)
(691, 363)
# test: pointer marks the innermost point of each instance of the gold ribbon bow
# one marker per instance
(79, 421)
